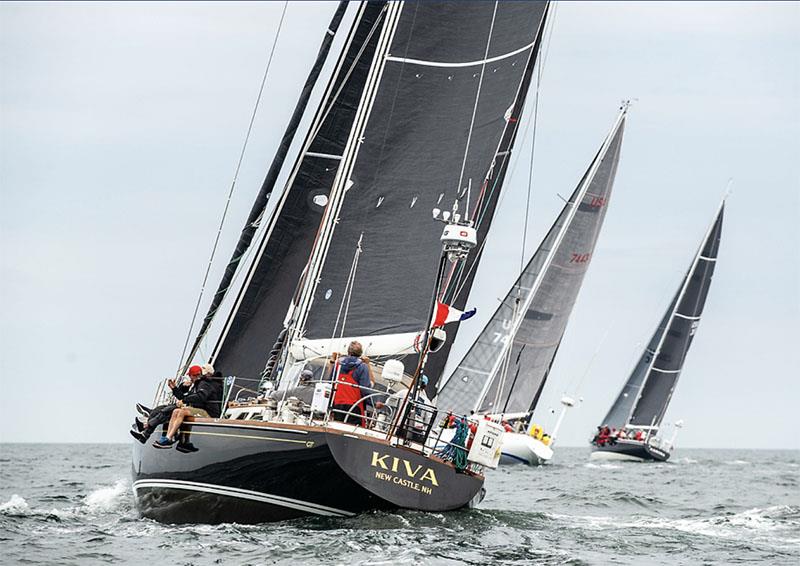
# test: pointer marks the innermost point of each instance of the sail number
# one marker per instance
(580, 258)
(597, 202)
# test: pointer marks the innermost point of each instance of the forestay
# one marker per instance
(448, 92)
(506, 367)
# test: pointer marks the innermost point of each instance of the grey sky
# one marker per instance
(122, 123)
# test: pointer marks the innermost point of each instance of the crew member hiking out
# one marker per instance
(202, 398)
(153, 418)
(353, 385)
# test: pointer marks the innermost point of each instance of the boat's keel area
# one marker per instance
(629, 450)
(251, 473)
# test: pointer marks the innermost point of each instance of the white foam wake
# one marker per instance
(15, 506)
(106, 498)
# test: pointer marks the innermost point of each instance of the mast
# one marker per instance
(653, 398)
(528, 325)
(259, 205)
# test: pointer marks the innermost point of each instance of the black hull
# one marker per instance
(252, 474)
(630, 450)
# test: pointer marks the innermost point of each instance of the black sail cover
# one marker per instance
(443, 117)
(506, 367)
(645, 396)
(257, 315)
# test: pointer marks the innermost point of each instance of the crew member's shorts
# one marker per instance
(195, 412)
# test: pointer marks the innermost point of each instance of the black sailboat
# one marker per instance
(504, 371)
(421, 112)
(630, 429)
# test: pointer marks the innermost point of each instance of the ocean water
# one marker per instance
(72, 504)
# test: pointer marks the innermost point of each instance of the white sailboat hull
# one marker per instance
(518, 448)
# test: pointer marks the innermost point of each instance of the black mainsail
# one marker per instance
(505, 369)
(444, 99)
(647, 392)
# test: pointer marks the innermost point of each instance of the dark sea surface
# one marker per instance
(72, 504)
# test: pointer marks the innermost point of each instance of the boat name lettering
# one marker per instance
(404, 467)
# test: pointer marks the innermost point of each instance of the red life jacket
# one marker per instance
(348, 392)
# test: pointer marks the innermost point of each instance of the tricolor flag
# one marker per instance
(446, 313)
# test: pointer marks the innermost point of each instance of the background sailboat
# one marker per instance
(505, 370)
(640, 407)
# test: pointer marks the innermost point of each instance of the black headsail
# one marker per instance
(446, 96)
(506, 368)
(645, 396)
(257, 313)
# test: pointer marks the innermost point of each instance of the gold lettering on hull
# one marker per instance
(409, 470)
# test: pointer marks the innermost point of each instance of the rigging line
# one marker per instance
(530, 170)
(574, 388)
(477, 99)
(352, 285)
(181, 362)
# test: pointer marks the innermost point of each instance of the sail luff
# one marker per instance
(262, 199)
(712, 231)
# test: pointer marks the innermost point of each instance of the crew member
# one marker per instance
(353, 385)
(160, 415)
(201, 398)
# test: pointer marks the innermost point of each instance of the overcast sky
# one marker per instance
(121, 125)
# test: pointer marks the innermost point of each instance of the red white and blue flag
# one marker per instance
(446, 313)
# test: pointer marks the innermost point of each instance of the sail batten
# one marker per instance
(515, 350)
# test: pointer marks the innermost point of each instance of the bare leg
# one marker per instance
(175, 421)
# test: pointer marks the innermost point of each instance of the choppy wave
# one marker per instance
(604, 466)
(752, 522)
(104, 499)
(572, 512)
